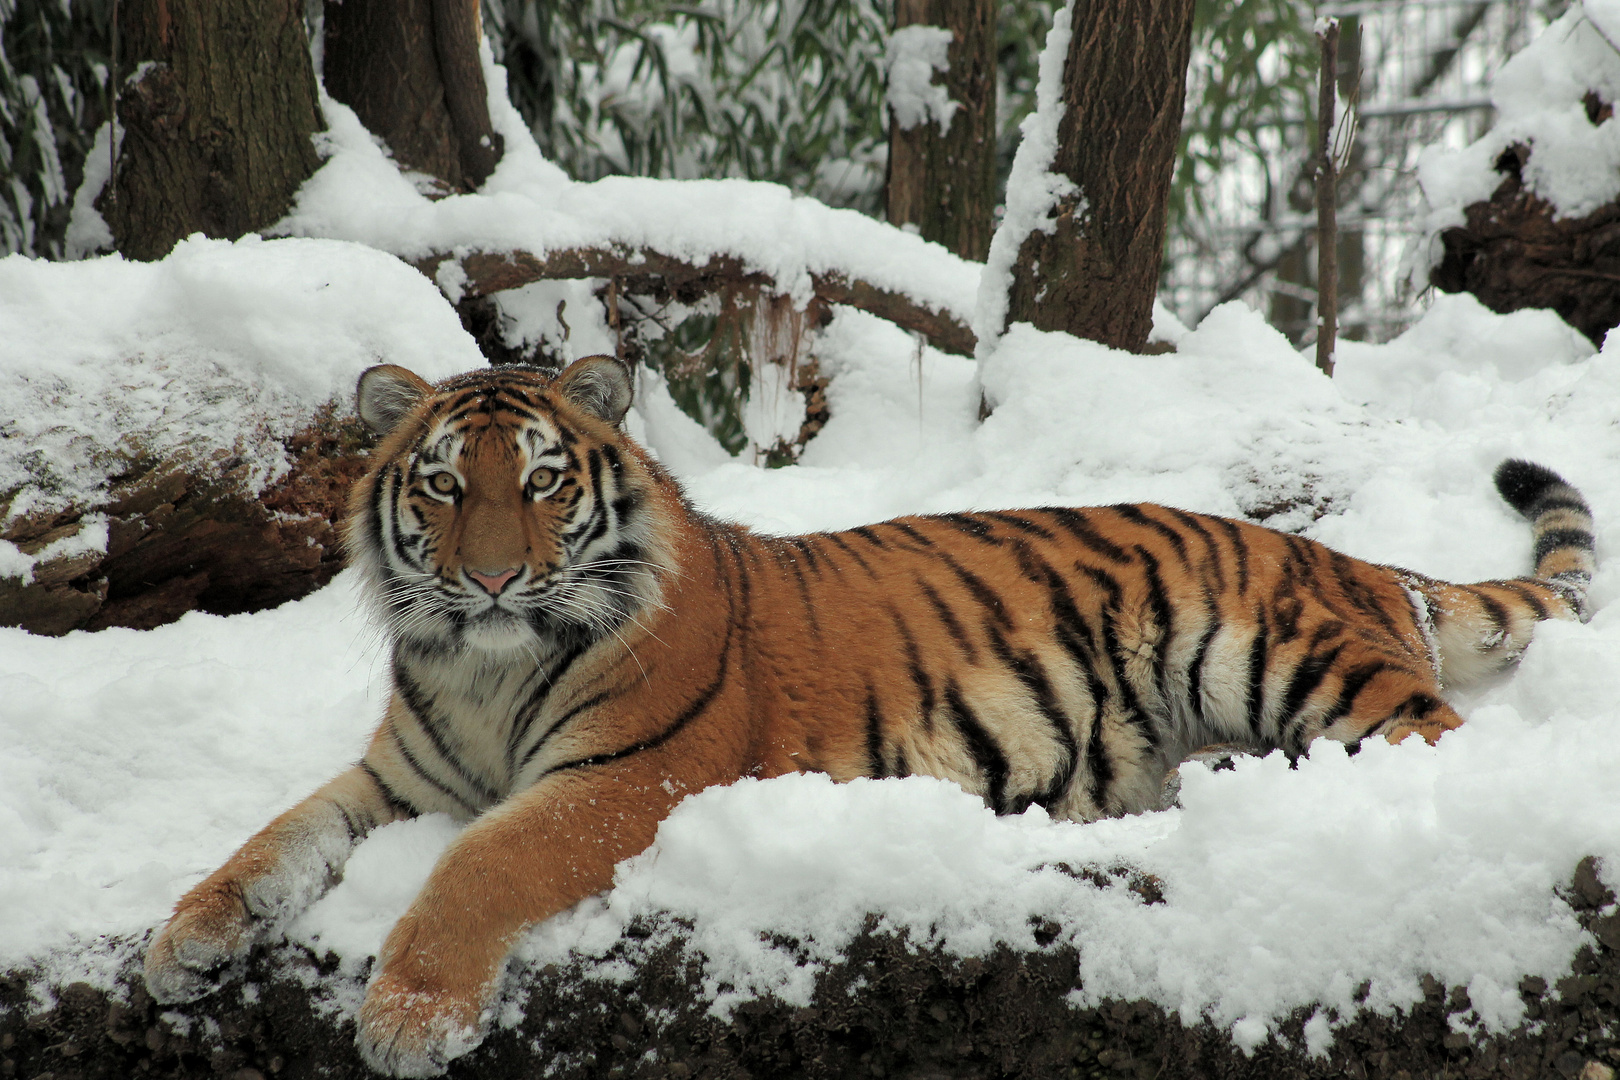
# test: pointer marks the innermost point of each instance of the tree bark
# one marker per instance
(944, 182)
(1124, 82)
(411, 72)
(216, 119)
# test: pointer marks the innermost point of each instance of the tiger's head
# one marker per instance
(504, 510)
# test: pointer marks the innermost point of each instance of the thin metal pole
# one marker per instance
(1327, 189)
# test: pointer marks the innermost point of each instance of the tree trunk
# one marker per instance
(944, 181)
(1124, 80)
(216, 120)
(411, 72)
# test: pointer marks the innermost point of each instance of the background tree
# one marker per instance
(216, 120)
(942, 134)
(1091, 267)
(410, 70)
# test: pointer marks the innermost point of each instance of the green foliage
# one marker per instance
(1254, 68)
(54, 61)
(782, 90)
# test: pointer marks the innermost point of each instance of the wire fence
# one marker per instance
(1412, 74)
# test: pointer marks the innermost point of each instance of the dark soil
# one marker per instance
(888, 1010)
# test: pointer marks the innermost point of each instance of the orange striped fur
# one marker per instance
(575, 649)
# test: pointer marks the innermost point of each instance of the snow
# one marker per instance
(136, 761)
(133, 762)
(914, 54)
(527, 204)
(1538, 96)
(1033, 190)
(105, 362)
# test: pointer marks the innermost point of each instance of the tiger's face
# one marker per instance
(505, 512)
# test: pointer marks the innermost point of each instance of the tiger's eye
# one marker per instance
(442, 482)
(542, 478)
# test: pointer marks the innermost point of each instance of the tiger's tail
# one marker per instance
(1482, 628)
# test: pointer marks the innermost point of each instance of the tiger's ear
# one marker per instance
(598, 384)
(386, 393)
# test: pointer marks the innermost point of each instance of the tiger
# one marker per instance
(574, 648)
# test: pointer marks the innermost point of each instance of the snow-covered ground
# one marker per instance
(133, 762)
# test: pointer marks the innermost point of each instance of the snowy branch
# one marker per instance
(646, 270)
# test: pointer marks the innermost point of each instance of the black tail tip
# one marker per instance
(1523, 483)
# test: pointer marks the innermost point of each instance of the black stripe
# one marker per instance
(1023, 524)
(529, 711)
(561, 722)
(416, 766)
(987, 597)
(396, 802)
(1560, 501)
(1257, 673)
(1307, 677)
(1137, 515)
(1115, 655)
(1354, 682)
(871, 537)
(1348, 573)
(1212, 549)
(976, 527)
(1492, 609)
(1101, 770)
(788, 556)
(874, 736)
(1077, 525)
(1559, 540)
(1527, 593)
(1028, 670)
(421, 710)
(908, 531)
(1159, 601)
(843, 545)
(397, 482)
(948, 618)
(919, 677)
(1240, 548)
(693, 710)
(1195, 667)
(986, 754)
(803, 546)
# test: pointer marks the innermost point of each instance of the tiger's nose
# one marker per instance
(493, 583)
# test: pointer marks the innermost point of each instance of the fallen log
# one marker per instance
(644, 270)
(187, 533)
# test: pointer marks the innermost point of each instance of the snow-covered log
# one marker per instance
(648, 270)
(182, 532)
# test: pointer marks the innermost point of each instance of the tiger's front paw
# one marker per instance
(206, 934)
(406, 1030)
